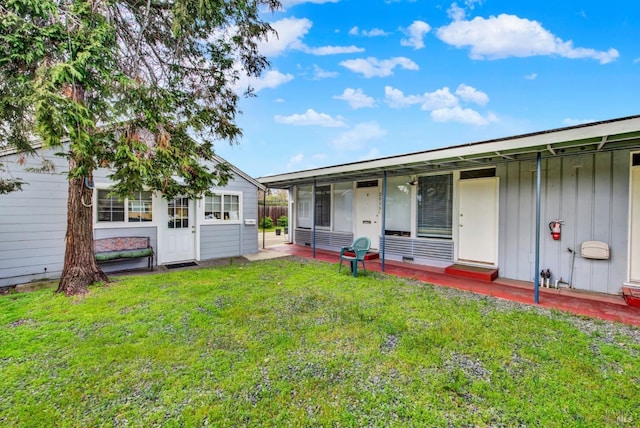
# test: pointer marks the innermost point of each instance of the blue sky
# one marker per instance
(360, 79)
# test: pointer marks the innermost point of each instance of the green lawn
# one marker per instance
(291, 342)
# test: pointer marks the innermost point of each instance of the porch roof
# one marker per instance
(622, 133)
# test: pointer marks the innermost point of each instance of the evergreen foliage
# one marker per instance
(144, 88)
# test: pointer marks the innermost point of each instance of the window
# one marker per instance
(178, 213)
(323, 206)
(342, 207)
(435, 207)
(398, 206)
(303, 210)
(110, 209)
(140, 208)
(222, 207)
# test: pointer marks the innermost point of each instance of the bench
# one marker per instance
(108, 250)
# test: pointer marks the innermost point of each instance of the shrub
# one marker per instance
(266, 223)
(283, 221)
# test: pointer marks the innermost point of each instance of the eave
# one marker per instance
(616, 134)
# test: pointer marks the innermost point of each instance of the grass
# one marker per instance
(291, 342)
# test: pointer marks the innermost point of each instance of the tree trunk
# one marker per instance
(80, 266)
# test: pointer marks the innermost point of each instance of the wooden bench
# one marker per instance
(124, 248)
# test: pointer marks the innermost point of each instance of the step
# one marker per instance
(472, 272)
(631, 296)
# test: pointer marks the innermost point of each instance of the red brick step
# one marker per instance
(473, 272)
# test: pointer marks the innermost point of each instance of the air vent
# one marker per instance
(370, 183)
(478, 173)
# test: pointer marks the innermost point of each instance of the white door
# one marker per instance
(478, 222)
(634, 244)
(368, 214)
(178, 243)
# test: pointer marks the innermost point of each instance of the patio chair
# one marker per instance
(359, 248)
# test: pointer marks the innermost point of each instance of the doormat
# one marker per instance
(181, 265)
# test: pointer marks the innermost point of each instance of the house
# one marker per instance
(490, 204)
(33, 221)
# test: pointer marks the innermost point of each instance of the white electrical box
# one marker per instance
(250, 221)
(594, 250)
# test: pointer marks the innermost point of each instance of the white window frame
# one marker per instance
(222, 195)
(125, 223)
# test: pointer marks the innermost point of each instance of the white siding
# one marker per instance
(33, 222)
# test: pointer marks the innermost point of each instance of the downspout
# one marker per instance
(384, 215)
(264, 214)
(313, 218)
(537, 267)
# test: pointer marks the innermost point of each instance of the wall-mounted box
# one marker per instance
(250, 221)
(594, 250)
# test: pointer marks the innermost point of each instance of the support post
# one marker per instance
(264, 214)
(538, 191)
(384, 216)
(313, 218)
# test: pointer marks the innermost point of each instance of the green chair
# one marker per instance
(359, 247)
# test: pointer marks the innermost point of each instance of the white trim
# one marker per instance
(202, 202)
(630, 217)
(125, 224)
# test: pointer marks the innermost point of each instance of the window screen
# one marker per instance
(435, 206)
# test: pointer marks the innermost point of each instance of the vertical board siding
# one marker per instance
(33, 221)
(590, 194)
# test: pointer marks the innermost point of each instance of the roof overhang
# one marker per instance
(616, 134)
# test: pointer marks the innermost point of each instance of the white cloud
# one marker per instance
(532, 76)
(510, 36)
(357, 137)
(573, 122)
(636, 61)
(268, 79)
(440, 98)
(319, 73)
(356, 98)
(456, 13)
(290, 32)
(373, 153)
(311, 118)
(395, 98)
(462, 115)
(372, 67)
(374, 32)
(330, 50)
(294, 160)
(471, 94)
(415, 33)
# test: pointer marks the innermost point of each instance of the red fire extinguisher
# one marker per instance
(555, 227)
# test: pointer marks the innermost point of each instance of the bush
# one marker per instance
(283, 221)
(266, 223)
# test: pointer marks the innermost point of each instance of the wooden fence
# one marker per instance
(275, 212)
